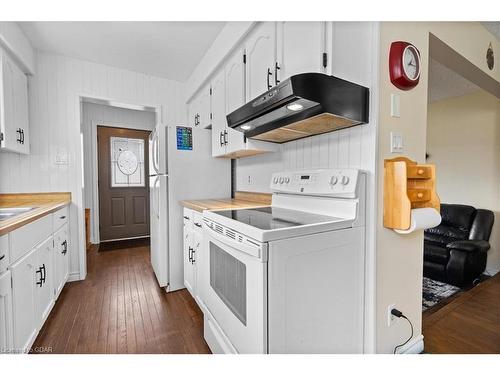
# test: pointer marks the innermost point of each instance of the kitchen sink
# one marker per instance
(10, 212)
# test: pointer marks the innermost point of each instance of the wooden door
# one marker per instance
(260, 49)
(123, 183)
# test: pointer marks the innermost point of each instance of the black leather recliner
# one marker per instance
(455, 251)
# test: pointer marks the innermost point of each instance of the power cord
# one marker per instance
(399, 314)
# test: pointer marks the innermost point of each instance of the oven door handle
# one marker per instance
(238, 246)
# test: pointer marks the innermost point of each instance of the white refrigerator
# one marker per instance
(181, 167)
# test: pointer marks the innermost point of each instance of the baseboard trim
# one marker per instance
(415, 346)
(74, 276)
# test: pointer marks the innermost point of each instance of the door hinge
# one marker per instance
(210, 115)
(1, 137)
(325, 59)
(244, 58)
(210, 91)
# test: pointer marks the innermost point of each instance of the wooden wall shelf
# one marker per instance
(407, 185)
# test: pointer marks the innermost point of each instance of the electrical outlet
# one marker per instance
(390, 318)
(396, 142)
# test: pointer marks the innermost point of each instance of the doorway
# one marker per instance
(123, 163)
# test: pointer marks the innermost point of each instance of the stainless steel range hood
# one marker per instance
(301, 106)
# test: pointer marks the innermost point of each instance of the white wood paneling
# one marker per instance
(14, 40)
(55, 127)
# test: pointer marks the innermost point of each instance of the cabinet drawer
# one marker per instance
(25, 238)
(4, 252)
(419, 195)
(197, 220)
(60, 217)
(418, 172)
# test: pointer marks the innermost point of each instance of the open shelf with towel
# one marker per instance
(407, 186)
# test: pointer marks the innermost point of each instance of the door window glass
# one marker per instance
(127, 162)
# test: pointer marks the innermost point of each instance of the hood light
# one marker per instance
(245, 127)
(295, 107)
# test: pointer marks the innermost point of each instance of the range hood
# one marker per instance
(301, 106)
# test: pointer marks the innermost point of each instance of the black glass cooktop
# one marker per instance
(267, 218)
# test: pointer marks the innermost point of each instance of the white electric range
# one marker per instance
(288, 278)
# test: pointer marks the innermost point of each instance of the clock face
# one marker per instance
(411, 63)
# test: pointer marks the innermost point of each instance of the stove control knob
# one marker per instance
(281, 180)
(334, 180)
(287, 180)
(345, 180)
(275, 180)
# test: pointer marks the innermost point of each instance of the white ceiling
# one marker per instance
(445, 83)
(164, 49)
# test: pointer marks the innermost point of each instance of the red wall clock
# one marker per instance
(404, 65)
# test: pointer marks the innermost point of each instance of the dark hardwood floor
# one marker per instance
(119, 308)
(469, 324)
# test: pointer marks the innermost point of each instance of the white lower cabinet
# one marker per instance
(193, 253)
(35, 276)
(44, 280)
(24, 279)
(61, 259)
(6, 326)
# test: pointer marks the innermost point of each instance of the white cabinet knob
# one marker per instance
(287, 180)
(281, 180)
(334, 180)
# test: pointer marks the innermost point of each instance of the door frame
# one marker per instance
(95, 233)
(79, 199)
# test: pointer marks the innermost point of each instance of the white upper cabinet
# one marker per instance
(260, 48)
(235, 96)
(300, 48)
(14, 124)
(199, 109)
(219, 123)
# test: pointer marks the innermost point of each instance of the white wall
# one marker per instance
(97, 114)
(463, 140)
(55, 126)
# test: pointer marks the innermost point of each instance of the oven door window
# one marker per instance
(228, 280)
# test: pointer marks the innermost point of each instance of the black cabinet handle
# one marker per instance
(221, 136)
(22, 136)
(267, 77)
(44, 273)
(65, 245)
(198, 225)
(186, 217)
(62, 217)
(190, 257)
(2, 257)
(276, 68)
(39, 282)
(225, 137)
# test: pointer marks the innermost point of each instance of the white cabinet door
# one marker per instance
(26, 277)
(44, 293)
(193, 113)
(300, 48)
(197, 260)
(235, 97)
(6, 323)
(61, 259)
(204, 119)
(188, 264)
(260, 49)
(14, 123)
(219, 123)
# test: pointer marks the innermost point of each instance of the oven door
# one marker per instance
(234, 290)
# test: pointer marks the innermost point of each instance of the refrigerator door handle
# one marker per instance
(156, 192)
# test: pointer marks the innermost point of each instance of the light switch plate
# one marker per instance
(397, 145)
(395, 103)
(62, 159)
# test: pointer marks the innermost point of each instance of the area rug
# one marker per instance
(436, 291)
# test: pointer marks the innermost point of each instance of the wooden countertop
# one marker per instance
(45, 204)
(242, 199)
